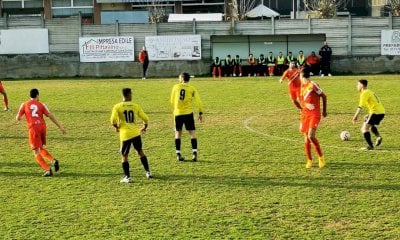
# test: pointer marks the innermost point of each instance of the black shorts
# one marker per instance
(374, 119)
(136, 142)
(187, 120)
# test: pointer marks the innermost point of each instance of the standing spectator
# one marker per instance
(262, 65)
(216, 67)
(251, 60)
(125, 119)
(313, 62)
(144, 61)
(325, 52)
(229, 65)
(292, 74)
(34, 110)
(5, 99)
(368, 99)
(301, 60)
(310, 97)
(289, 59)
(280, 63)
(182, 96)
(237, 66)
(271, 62)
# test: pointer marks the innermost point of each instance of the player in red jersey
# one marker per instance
(5, 99)
(34, 111)
(310, 95)
(292, 74)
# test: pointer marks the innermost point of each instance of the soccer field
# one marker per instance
(250, 181)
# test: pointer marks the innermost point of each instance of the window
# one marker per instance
(65, 8)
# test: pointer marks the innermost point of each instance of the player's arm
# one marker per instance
(145, 119)
(54, 120)
(21, 112)
(324, 104)
(114, 119)
(355, 117)
(199, 104)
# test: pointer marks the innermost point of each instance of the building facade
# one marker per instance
(144, 11)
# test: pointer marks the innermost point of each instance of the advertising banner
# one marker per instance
(390, 42)
(106, 49)
(179, 47)
(24, 41)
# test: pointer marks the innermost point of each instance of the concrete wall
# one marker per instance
(68, 65)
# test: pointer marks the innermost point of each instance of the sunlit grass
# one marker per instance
(250, 181)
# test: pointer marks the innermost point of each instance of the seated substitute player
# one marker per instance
(376, 114)
(182, 96)
(293, 76)
(124, 117)
(34, 111)
(310, 95)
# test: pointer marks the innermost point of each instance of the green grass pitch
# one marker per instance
(250, 181)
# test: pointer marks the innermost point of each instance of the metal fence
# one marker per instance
(348, 36)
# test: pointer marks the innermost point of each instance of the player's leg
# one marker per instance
(191, 127)
(35, 141)
(137, 144)
(178, 136)
(307, 143)
(365, 129)
(5, 98)
(374, 121)
(307, 150)
(125, 147)
(315, 142)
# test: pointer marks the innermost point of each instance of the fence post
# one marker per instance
(42, 19)
(80, 23)
(116, 28)
(273, 25)
(194, 26)
(390, 21)
(349, 36)
(232, 26)
(309, 24)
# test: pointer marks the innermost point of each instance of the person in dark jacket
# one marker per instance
(325, 52)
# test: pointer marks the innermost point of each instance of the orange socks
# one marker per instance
(317, 147)
(41, 162)
(46, 154)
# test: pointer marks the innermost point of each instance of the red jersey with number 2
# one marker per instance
(33, 111)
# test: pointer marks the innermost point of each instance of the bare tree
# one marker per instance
(237, 9)
(394, 7)
(324, 8)
(157, 11)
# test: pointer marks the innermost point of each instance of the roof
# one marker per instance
(261, 11)
(211, 17)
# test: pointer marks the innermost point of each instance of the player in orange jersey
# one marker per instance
(292, 74)
(34, 110)
(5, 99)
(310, 95)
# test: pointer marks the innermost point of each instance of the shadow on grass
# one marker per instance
(263, 182)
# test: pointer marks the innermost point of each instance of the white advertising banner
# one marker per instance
(24, 41)
(390, 42)
(179, 47)
(106, 49)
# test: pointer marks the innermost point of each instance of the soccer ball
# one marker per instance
(345, 136)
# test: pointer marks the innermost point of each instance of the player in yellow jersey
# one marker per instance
(125, 118)
(182, 96)
(368, 99)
